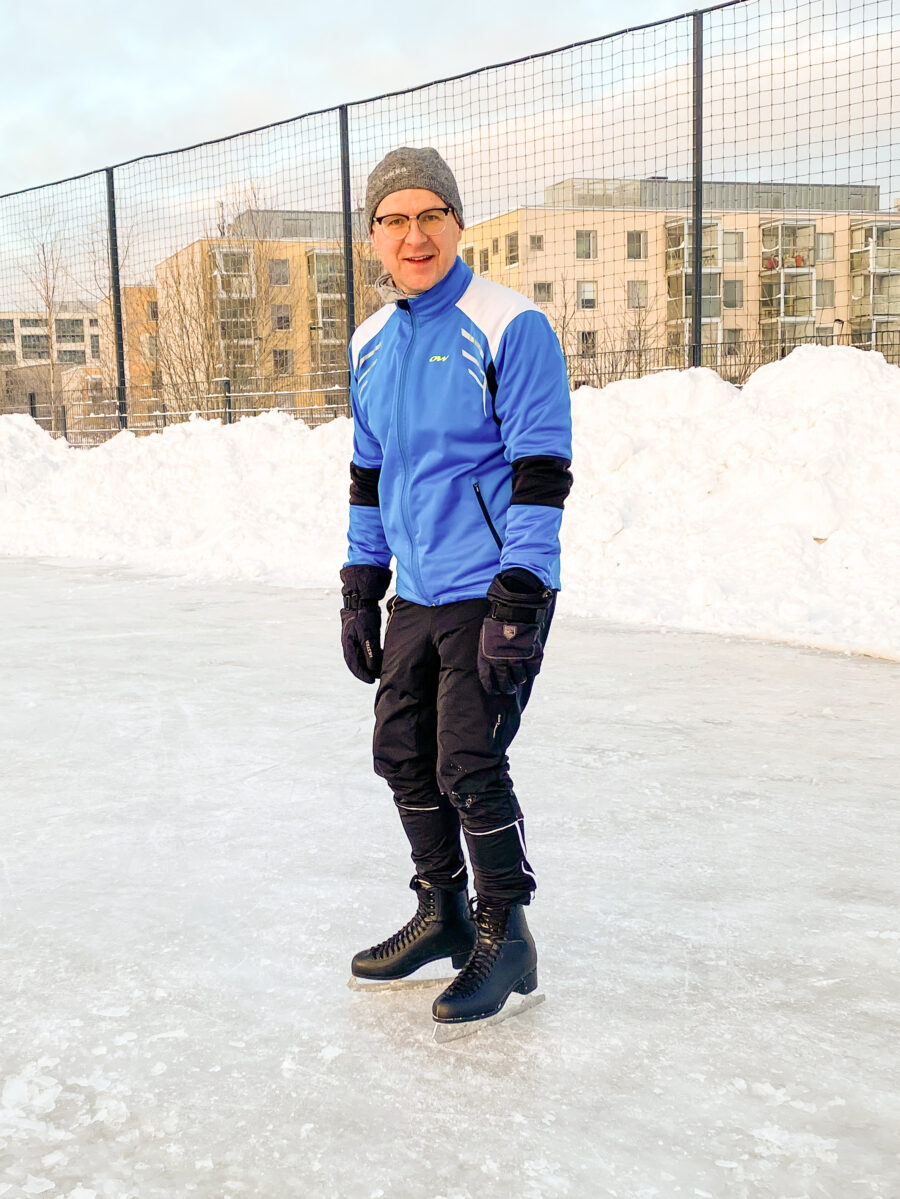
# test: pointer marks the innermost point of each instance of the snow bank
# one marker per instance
(770, 511)
(767, 512)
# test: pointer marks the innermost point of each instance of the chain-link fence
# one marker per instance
(709, 190)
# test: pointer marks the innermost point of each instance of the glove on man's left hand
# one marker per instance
(510, 650)
(364, 586)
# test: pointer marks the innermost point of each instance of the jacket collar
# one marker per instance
(443, 295)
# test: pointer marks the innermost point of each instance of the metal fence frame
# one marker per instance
(221, 405)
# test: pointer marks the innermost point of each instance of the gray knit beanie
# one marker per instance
(407, 168)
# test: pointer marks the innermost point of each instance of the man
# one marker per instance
(462, 447)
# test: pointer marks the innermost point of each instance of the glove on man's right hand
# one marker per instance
(364, 586)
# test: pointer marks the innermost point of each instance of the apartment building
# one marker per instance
(263, 307)
(69, 336)
(611, 262)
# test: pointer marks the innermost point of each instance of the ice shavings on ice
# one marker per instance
(770, 511)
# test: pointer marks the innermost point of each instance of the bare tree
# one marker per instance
(44, 271)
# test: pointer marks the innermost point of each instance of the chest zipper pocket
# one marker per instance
(487, 515)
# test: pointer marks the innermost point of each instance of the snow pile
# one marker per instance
(261, 499)
(768, 512)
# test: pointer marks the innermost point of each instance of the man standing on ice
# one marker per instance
(462, 447)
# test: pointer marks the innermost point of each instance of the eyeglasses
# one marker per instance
(432, 221)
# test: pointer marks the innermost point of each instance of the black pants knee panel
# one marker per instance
(441, 744)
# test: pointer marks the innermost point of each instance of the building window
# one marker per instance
(327, 317)
(235, 320)
(156, 379)
(71, 357)
(281, 317)
(824, 247)
(536, 242)
(543, 293)
(637, 243)
(95, 345)
(732, 341)
(152, 310)
(7, 330)
(495, 246)
(7, 357)
(69, 330)
(585, 243)
(733, 293)
(234, 262)
(484, 261)
(586, 293)
(328, 270)
(35, 346)
(824, 293)
(468, 257)
(512, 249)
(637, 293)
(733, 245)
(587, 343)
(282, 362)
(30, 322)
(94, 323)
(149, 347)
(279, 272)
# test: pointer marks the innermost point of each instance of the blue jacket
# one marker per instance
(462, 439)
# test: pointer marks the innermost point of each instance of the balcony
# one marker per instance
(875, 248)
(680, 295)
(680, 246)
(788, 247)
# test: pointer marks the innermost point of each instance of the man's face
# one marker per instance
(416, 262)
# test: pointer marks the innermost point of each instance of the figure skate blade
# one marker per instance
(514, 1006)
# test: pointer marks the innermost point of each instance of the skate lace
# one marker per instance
(408, 933)
(490, 925)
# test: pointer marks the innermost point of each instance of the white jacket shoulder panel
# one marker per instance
(369, 329)
(492, 306)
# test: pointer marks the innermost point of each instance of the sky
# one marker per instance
(103, 82)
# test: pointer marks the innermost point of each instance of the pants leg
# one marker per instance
(474, 732)
(405, 744)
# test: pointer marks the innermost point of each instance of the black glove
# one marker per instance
(363, 587)
(511, 647)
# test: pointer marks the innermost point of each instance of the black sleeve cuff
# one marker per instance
(541, 479)
(364, 485)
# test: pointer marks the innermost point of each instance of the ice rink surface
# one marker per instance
(192, 845)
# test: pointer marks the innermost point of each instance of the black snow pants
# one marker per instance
(441, 741)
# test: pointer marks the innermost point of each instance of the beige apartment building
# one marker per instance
(610, 261)
(261, 307)
(50, 362)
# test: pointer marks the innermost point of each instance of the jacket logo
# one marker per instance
(438, 357)
(509, 631)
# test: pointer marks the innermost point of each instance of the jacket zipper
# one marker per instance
(487, 516)
(401, 429)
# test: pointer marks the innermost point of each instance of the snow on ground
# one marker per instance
(770, 512)
(192, 845)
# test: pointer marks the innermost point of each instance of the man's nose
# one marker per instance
(415, 234)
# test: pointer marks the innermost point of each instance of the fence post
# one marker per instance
(697, 220)
(116, 298)
(226, 400)
(32, 406)
(349, 281)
